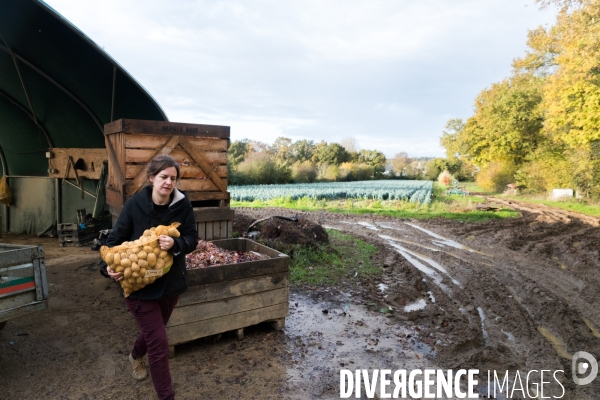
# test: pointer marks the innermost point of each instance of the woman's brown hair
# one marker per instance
(160, 163)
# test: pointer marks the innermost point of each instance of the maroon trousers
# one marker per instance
(152, 317)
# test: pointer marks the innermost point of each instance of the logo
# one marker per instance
(589, 366)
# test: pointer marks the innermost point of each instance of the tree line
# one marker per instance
(539, 127)
(304, 161)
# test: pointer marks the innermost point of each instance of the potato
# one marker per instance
(133, 258)
(148, 249)
(109, 258)
(145, 281)
(156, 250)
(127, 273)
(124, 255)
(163, 254)
(160, 263)
(116, 259)
(126, 262)
(151, 260)
(135, 267)
(135, 274)
(120, 268)
(136, 242)
(143, 264)
(139, 280)
(173, 232)
(142, 272)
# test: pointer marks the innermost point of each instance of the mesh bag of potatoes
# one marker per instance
(141, 261)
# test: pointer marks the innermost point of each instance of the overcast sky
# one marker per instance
(388, 73)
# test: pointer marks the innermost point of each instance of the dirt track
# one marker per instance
(511, 294)
(516, 294)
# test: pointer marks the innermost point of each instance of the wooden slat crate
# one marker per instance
(201, 150)
(214, 222)
(233, 296)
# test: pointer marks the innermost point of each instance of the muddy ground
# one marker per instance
(518, 295)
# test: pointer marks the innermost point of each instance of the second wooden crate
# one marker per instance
(234, 296)
(214, 222)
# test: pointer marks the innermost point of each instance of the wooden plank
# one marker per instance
(234, 305)
(197, 185)
(231, 272)
(165, 128)
(213, 214)
(224, 232)
(113, 127)
(204, 163)
(92, 158)
(114, 198)
(136, 141)
(185, 333)
(209, 230)
(180, 155)
(198, 196)
(186, 171)
(145, 141)
(229, 289)
(115, 169)
(141, 178)
(201, 227)
(217, 230)
(229, 229)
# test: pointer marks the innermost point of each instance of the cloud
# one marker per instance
(388, 72)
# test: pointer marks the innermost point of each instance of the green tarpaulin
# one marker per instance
(57, 88)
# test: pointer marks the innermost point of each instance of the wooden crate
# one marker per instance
(201, 150)
(233, 296)
(214, 222)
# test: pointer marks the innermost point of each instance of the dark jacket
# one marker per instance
(138, 215)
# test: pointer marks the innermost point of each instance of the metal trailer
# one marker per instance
(23, 285)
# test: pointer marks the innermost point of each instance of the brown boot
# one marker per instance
(139, 368)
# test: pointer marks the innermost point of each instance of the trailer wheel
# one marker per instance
(2, 324)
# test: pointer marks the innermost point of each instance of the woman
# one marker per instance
(160, 203)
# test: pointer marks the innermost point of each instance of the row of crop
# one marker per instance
(415, 191)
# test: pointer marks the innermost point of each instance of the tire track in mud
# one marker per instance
(527, 295)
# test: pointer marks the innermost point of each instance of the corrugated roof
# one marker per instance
(57, 88)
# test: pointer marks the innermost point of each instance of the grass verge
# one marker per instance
(580, 206)
(346, 257)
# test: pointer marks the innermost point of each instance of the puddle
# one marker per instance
(437, 278)
(420, 266)
(416, 306)
(322, 344)
(386, 226)
(368, 225)
(431, 296)
(382, 287)
(482, 316)
(509, 335)
(442, 241)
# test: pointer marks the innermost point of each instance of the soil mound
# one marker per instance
(280, 233)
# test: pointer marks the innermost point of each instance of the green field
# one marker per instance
(457, 207)
(413, 191)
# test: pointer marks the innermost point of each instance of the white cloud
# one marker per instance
(388, 72)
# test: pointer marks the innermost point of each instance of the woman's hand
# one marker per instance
(117, 276)
(165, 242)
